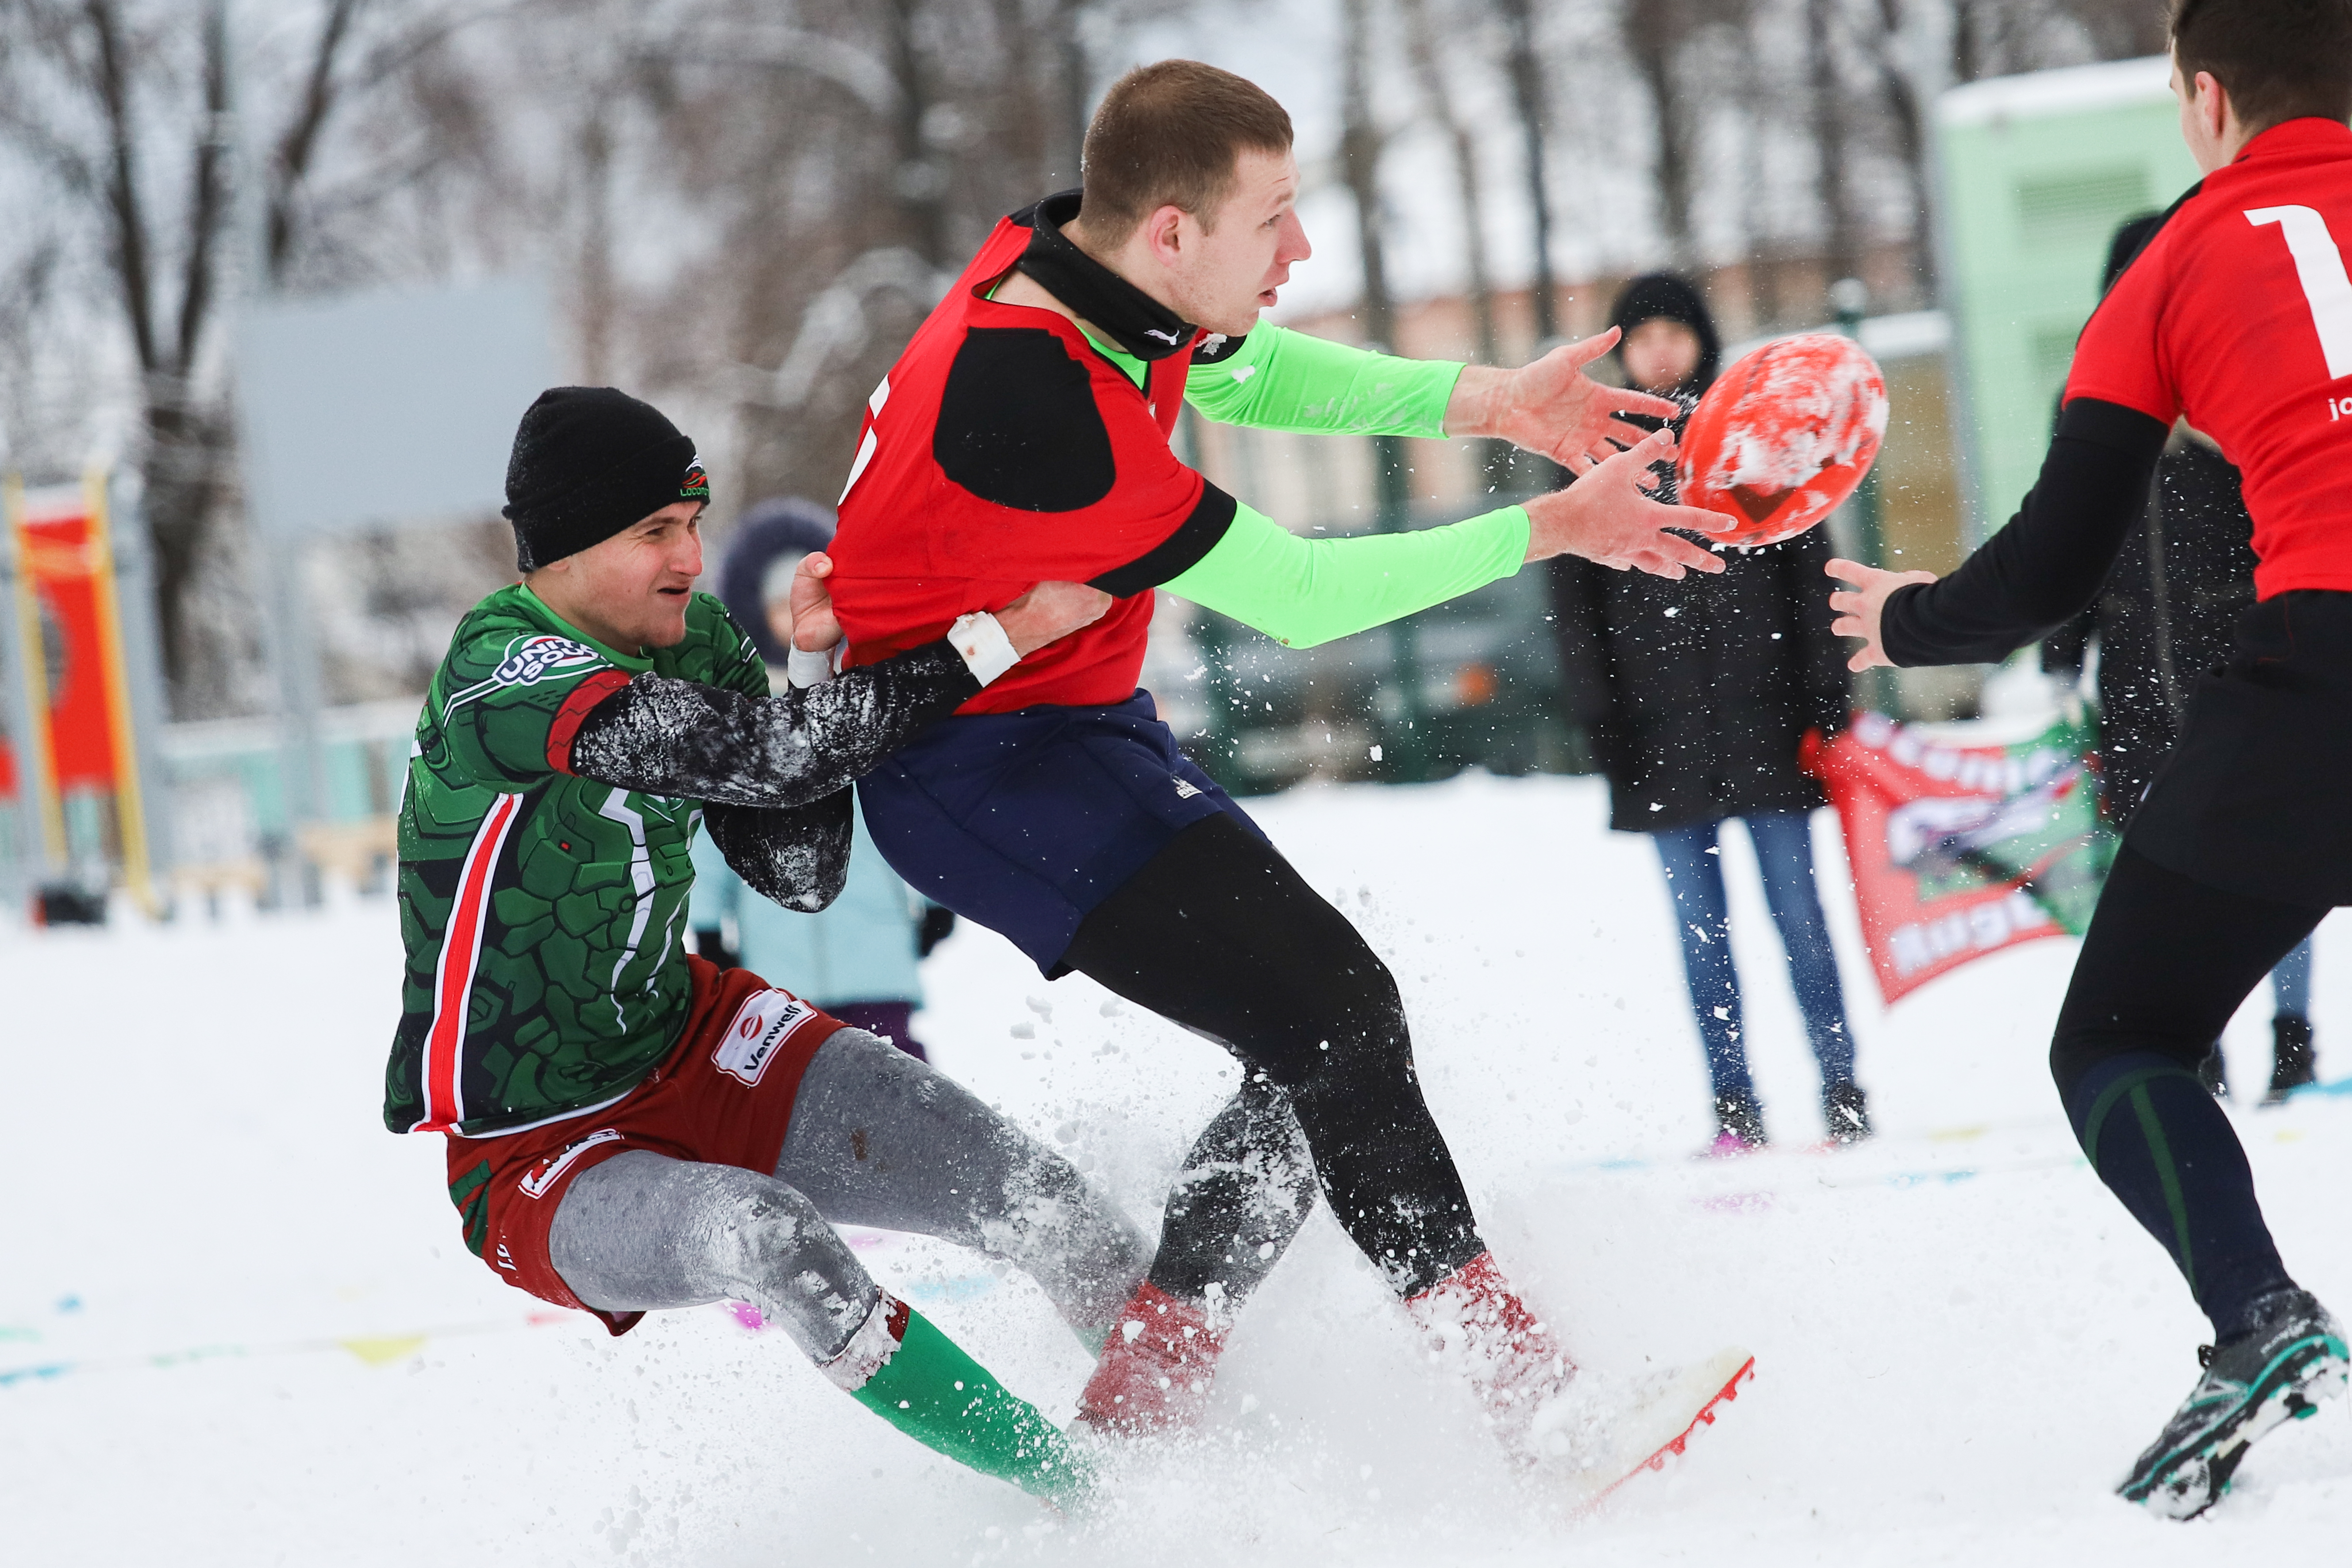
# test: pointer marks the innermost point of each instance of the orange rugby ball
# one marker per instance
(1784, 435)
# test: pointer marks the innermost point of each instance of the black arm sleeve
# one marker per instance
(704, 742)
(796, 855)
(2047, 564)
(2065, 650)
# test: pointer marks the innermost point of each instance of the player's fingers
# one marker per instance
(1580, 354)
(1698, 519)
(1621, 431)
(816, 563)
(1851, 572)
(1682, 552)
(1849, 626)
(1579, 463)
(1657, 446)
(1625, 400)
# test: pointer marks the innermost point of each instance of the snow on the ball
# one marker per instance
(1814, 402)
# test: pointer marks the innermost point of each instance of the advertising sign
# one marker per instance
(71, 630)
(1958, 850)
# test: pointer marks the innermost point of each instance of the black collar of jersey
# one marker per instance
(1131, 318)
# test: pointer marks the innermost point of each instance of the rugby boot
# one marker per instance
(1847, 1111)
(1477, 1328)
(1156, 1366)
(2276, 1372)
(2294, 1064)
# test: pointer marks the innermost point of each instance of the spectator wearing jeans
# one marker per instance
(1697, 694)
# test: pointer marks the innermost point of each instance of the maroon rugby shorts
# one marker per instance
(722, 1097)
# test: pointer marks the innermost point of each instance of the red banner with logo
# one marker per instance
(71, 649)
(1961, 848)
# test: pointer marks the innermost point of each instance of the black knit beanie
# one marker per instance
(1657, 295)
(588, 462)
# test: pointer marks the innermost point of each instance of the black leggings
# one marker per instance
(2166, 961)
(1219, 933)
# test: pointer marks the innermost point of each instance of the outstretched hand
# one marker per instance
(1608, 517)
(1859, 612)
(815, 625)
(1551, 407)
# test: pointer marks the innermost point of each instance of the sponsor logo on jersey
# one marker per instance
(505, 1260)
(765, 1023)
(1186, 789)
(534, 658)
(543, 1175)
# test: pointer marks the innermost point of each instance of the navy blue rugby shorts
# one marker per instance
(1025, 821)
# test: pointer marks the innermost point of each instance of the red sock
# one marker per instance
(1479, 1326)
(1156, 1367)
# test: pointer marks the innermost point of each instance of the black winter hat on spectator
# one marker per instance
(1657, 295)
(588, 462)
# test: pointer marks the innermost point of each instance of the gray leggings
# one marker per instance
(877, 1139)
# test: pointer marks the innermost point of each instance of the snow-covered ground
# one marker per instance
(238, 1325)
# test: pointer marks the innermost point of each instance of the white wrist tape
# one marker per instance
(805, 670)
(987, 651)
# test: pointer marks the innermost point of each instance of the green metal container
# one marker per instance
(2037, 172)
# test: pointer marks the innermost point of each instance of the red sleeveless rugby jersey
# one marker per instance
(1003, 449)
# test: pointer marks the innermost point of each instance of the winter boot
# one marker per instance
(2272, 1373)
(1156, 1367)
(2294, 1064)
(2214, 1073)
(1846, 1110)
(1740, 1125)
(1480, 1329)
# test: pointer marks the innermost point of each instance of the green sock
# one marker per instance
(931, 1390)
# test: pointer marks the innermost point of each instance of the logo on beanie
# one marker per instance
(696, 485)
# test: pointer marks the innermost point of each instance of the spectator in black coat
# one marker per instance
(2164, 618)
(1697, 695)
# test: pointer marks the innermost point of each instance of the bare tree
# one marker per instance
(1429, 72)
(1833, 176)
(1424, 55)
(1655, 33)
(1525, 72)
(102, 95)
(1362, 141)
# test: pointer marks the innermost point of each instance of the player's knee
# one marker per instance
(777, 1252)
(1052, 1214)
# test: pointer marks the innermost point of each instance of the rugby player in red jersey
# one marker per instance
(1024, 435)
(2236, 315)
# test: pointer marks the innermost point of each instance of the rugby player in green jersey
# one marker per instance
(628, 1127)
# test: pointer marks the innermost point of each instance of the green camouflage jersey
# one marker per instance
(543, 912)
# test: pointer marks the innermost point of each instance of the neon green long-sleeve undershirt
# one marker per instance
(1302, 592)
(1280, 380)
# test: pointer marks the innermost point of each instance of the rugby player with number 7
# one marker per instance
(2236, 315)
